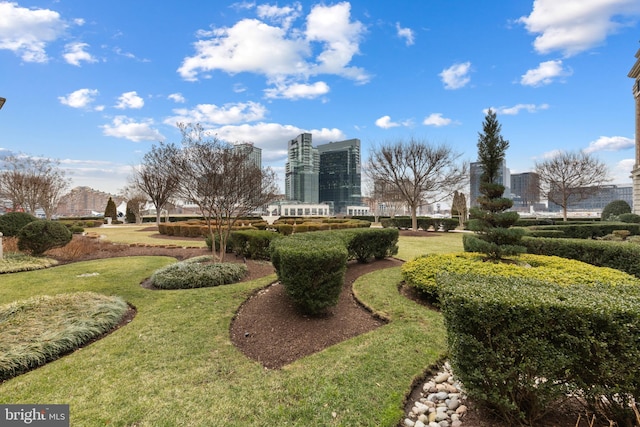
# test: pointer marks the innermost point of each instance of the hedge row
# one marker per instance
(618, 255)
(198, 228)
(584, 231)
(421, 272)
(311, 266)
(520, 346)
(424, 223)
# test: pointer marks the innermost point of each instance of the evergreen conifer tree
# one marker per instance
(490, 220)
(111, 211)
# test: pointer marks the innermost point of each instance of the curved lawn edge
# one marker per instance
(43, 328)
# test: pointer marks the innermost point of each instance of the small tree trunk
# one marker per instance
(414, 218)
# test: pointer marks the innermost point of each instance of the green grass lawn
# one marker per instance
(174, 364)
(141, 234)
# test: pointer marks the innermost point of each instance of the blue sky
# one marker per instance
(96, 84)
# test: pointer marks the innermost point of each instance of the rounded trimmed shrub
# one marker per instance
(629, 218)
(198, 273)
(615, 209)
(39, 236)
(12, 222)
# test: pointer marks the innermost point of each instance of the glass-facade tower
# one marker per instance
(301, 170)
(340, 174)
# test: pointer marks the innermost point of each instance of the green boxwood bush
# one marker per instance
(252, 244)
(590, 230)
(614, 209)
(39, 236)
(624, 256)
(198, 272)
(520, 346)
(629, 218)
(364, 244)
(311, 268)
(421, 272)
(12, 222)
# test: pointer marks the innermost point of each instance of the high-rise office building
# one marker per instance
(301, 170)
(253, 153)
(340, 174)
(474, 181)
(525, 189)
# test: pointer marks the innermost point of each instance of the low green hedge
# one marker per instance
(421, 272)
(363, 244)
(588, 231)
(624, 256)
(424, 223)
(520, 346)
(252, 244)
(198, 272)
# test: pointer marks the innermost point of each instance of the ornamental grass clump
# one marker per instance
(199, 272)
(421, 272)
(43, 328)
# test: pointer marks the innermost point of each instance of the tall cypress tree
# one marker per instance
(490, 220)
(111, 211)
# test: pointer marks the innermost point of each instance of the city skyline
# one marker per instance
(96, 85)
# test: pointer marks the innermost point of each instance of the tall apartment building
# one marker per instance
(253, 153)
(340, 177)
(302, 170)
(85, 201)
(475, 169)
(525, 190)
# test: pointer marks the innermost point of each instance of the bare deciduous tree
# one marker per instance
(33, 182)
(136, 200)
(222, 181)
(571, 176)
(420, 173)
(157, 176)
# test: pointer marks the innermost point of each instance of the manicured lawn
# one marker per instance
(140, 234)
(175, 364)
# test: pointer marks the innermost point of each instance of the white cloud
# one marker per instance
(544, 74)
(130, 100)
(177, 97)
(574, 26)
(26, 32)
(622, 171)
(456, 76)
(610, 143)
(75, 53)
(298, 91)
(127, 128)
(213, 115)
(385, 122)
(332, 26)
(405, 33)
(436, 119)
(512, 111)
(81, 98)
(272, 139)
(277, 52)
(282, 15)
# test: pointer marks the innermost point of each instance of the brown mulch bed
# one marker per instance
(270, 329)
